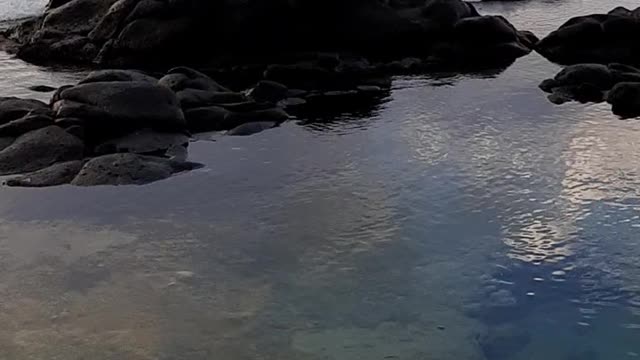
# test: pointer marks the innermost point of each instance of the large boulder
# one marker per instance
(597, 38)
(149, 33)
(110, 109)
(129, 169)
(39, 149)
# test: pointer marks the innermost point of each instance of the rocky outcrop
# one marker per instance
(618, 84)
(148, 33)
(119, 127)
(597, 38)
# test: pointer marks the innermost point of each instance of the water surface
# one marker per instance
(461, 217)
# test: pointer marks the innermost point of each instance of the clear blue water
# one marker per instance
(462, 217)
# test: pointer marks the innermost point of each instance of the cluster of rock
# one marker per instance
(596, 47)
(598, 38)
(618, 84)
(138, 33)
(127, 127)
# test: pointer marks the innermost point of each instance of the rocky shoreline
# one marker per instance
(119, 127)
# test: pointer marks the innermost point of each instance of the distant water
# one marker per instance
(462, 217)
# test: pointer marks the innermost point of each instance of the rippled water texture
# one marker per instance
(462, 217)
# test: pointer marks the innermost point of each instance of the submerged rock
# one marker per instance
(38, 149)
(129, 169)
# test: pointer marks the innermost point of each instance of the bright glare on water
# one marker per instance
(462, 217)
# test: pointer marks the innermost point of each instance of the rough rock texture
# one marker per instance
(143, 142)
(127, 127)
(618, 84)
(56, 174)
(624, 98)
(109, 109)
(597, 38)
(128, 169)
(146, 32)
(39, 149)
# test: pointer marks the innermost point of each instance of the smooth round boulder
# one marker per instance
(116, 108)
(38, 149)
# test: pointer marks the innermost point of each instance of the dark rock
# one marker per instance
(25, 124)
(190, 98)
(42, 88)
(143, 142)
(247, 106)
(110, 109)
(5, 142)
(275, 115)
(117, 75)
(12, 108)
(153, 32)
(129, 169)
(587, 82)
(39, 149)
(269, 91)
(76, 130)
(56, 174)
(595, 74)
(292, 102)
(597, 38)
(112, 21)
(181, 78)
(211, 118)
(252, 128)
(301, 75)
(625, 99)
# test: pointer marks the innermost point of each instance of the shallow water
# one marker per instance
(461, 217)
